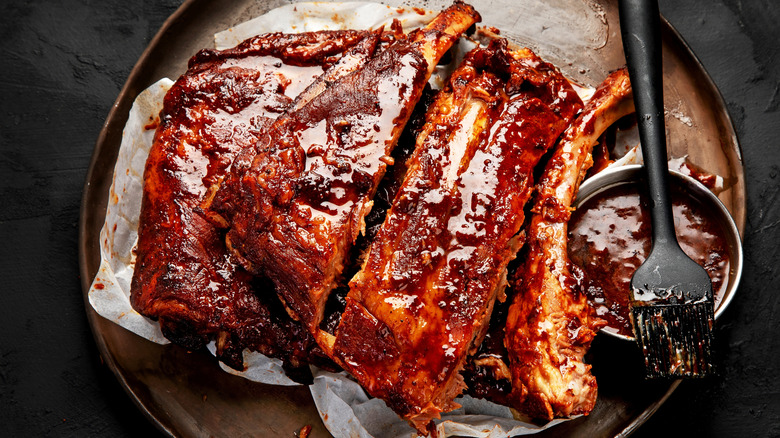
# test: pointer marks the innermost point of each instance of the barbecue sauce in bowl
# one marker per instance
(610, 236)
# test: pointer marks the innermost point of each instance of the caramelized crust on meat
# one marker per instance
(550, 324)
(297, 202)
(423, 298)
(184, 277)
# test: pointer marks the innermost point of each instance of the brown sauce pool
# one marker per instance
(609, 237)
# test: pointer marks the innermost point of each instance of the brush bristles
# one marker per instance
(675, 339)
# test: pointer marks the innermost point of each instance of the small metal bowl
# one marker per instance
(634, 173)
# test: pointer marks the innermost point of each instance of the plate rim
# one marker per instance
(88, 194)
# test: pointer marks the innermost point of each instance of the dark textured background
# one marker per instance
(63, 64)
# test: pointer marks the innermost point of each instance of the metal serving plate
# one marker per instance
(187, 394)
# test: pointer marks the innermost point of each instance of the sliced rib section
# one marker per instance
(423, 298)
(296, 206)
(550, 324)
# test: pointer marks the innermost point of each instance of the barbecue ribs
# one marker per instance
(184, 277)
(550, 324)
(264, 169)
(297, 201)
(422, 300)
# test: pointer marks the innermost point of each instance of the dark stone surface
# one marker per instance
(739, 44)
(63, 64)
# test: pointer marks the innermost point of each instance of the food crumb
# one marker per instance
(304, 432)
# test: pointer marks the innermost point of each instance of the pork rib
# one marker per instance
(550, 324)
(422, 300)
(184, 277)
(296, 209)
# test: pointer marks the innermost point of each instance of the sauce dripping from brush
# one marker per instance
(609, 237)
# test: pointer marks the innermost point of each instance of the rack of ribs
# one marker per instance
(550, 324)
(296, 202)
(184, 276)
(422, 300)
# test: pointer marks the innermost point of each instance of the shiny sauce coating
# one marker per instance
(425, 293)
(184, 276)
(609, 237)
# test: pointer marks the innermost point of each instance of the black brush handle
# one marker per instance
(640, 26)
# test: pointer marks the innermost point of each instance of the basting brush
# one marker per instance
(671, 295)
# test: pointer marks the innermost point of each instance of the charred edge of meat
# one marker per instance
(301, 49)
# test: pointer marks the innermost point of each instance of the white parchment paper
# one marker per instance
(110, 291)
(345, 408)
(312, 17)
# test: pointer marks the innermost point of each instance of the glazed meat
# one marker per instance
(297, 202)
(550, 324)
(422, 300)
(383, 200)
(184, 277)
(262, 177)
